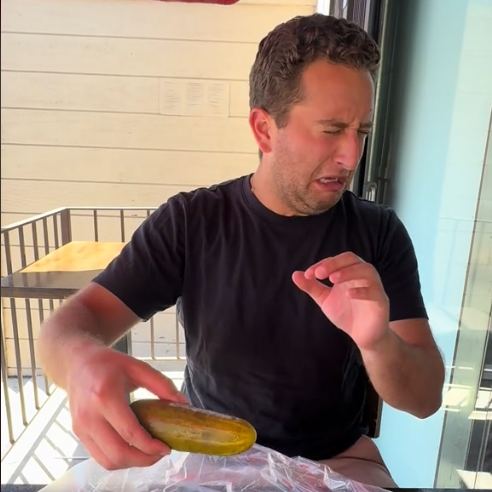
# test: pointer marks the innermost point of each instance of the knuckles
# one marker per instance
(129, 435)
(81, 420)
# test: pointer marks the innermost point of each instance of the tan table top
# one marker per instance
(62, 272)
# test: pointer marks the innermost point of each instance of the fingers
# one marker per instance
(145, 376)
(325, 268)
(101, 416)
(346, 267)
(120, 416)
(111, 451)
(356, 275)
(112, 434)
(95, 451)
(363, 294)
(120, 453)
(311, 286)
(360, 278)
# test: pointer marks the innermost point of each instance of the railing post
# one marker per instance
(66, 226)
(124, 344)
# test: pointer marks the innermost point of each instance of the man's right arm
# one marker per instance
(74, 343)
(92, 317)
(146, 277)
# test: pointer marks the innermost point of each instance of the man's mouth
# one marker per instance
(331, 183)
(332, 179)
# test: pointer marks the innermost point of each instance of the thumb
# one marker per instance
(145, 376)
(318, 291)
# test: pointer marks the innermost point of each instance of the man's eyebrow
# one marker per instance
(341, 124)
(336, 123)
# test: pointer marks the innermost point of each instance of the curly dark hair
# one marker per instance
(284, 54)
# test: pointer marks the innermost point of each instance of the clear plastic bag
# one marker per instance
(258, 470)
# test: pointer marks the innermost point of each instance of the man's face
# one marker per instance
(314, 157)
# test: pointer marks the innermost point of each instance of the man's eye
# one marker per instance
(338, 131)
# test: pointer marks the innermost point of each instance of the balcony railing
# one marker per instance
(24, 307)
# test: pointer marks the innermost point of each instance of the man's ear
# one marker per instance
(262, 125)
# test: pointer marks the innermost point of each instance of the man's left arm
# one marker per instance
(380, 305)
(406, 368)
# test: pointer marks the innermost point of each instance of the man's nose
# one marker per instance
(349, 150)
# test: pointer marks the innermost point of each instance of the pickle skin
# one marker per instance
(194, 430)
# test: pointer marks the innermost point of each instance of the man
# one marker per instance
(288, 286)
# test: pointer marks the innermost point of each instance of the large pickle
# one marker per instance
(194, 430)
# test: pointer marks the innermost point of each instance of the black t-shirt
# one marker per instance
(258, 347)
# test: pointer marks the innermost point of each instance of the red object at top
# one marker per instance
(217, 2)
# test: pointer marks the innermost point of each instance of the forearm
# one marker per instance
(71, 330)
(407, 377)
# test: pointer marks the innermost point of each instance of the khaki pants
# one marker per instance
(363, 463)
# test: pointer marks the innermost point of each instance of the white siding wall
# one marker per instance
(84, 90)
(122, 103)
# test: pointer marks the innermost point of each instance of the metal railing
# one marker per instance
(24, 388)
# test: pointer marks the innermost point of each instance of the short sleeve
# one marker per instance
(398, 268)
(147, 275)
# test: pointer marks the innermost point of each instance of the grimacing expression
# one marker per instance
(315, 155)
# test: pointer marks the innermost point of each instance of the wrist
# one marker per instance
(78, 351)
(386, 343)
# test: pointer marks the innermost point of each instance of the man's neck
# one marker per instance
(263, 190)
